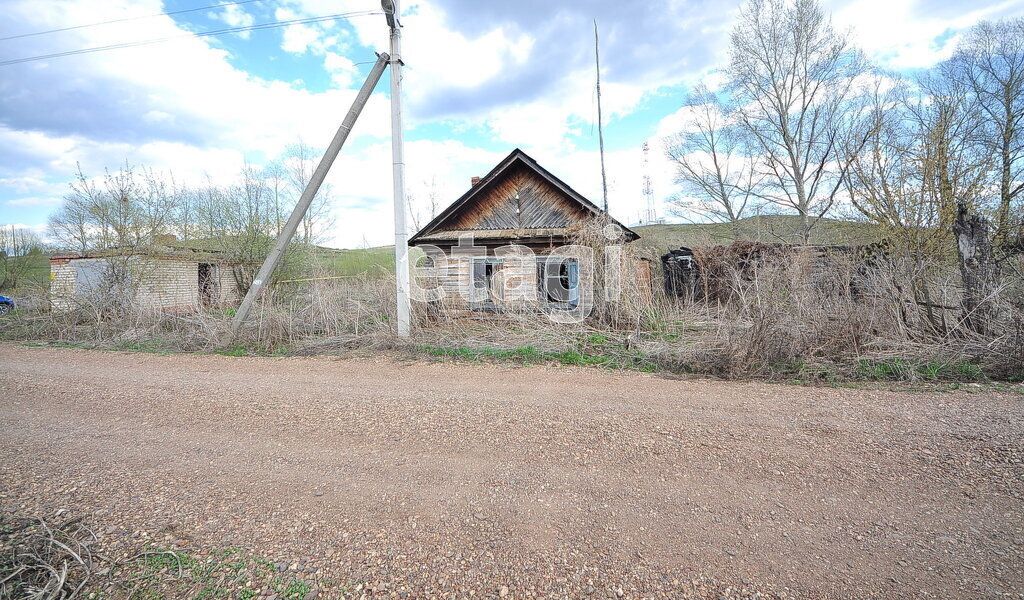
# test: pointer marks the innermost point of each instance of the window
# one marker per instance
(484, 291)
(558, 281)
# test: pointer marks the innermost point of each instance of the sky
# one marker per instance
(481, 78)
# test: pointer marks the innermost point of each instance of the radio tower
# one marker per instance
(650, 215)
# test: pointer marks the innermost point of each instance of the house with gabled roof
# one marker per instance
(501, 240)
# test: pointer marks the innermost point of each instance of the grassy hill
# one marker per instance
(37, 272)
(770, 229)
(368, 261)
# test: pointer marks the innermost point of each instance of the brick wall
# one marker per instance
(227, 288)
(164, 283)
(62, 283)
(168, 283)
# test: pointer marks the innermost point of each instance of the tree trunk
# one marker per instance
(979, 269)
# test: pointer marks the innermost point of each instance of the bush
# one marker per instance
(768, 311)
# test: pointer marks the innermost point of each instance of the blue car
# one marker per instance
(6, 305)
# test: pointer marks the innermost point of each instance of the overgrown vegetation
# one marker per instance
(23, 259)
(769, 318)
(805, 143)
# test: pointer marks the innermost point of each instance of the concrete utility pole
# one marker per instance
(392, 12)
(285, 237)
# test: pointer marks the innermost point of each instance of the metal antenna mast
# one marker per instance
(392, 12)
(600, 131)
(650, 216)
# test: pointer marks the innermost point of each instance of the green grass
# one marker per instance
(37, 273)
(611, 356)
(370, 261)
(233, 350)
(221, 573)
(898, 369)
(296, 589)
(39, 270)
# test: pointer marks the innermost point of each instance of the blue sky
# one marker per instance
(482, 79)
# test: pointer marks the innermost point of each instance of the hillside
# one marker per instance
(773, 228)
(365, 261)
(368, 261)
(37, 273)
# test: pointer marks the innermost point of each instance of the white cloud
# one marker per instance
(899, 34)
(25, 184)
(234, 16)
(183, 107)
(441, 57)
(318, 38)
(298, 38)
(343, 71)
(186, 86)
(35, 201)
(38, 229)
(362, 191)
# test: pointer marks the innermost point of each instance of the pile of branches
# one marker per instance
(721, 268)
(45, 561)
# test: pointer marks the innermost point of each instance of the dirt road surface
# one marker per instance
(428, 478)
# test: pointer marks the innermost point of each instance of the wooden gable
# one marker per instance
(518, 200)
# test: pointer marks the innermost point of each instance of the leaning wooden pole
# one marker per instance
(285, 237)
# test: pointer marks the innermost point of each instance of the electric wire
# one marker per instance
(173, 12)
(201, 34)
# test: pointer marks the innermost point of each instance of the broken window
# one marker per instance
(558, 281)
(484, 270)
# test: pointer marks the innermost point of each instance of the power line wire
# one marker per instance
(173, 12)
(202, 34)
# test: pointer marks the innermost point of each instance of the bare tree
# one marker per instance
(957, 174)
(718, 178)
(242, 220)
(19, 247)
(301, 160)
(129, 209)
(989, 66)
(71, 225)
(121, 215)
(421, 215)
(888, 185)
(276, 177)
(885, 180)
(792, 77)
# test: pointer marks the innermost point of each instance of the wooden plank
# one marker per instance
(519, 199)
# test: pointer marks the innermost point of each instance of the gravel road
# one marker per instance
(435, 479)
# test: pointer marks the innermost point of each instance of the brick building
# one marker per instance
(159, 278)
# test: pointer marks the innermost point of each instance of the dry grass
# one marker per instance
(765, 313)
(45, 561)
(771, 312)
